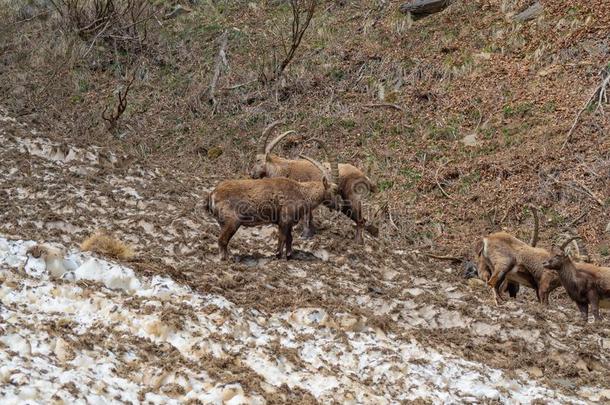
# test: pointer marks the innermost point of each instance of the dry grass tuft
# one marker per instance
(103, 243)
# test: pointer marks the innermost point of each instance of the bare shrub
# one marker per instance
(122, 24)
(302, 13)
(113, 118)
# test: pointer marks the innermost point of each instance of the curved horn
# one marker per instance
(332, 158)
(277, 140)
(316, 164)
(265, 135)
(534, 239)
(567, 242)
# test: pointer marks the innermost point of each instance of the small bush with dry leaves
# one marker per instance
(105, 244)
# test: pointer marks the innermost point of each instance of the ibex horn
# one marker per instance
(277, 140)
(567, 242)
(332, 157)
(534, 239)
(318, 165)
(265, 135)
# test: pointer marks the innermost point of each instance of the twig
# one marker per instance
(388, 105)
(392, 220)
(220, 60)
(237, 86)
(580, 188)
(297, 32)
(601, 89)
(508, 210)
(590, 193)
(449, 258)
(439, 184)
(578, 218)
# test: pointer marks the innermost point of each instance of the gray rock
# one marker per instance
(423, 8)
(470, 140)
(529, 13)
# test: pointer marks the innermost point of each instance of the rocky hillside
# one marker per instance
(172, 324)
(122, 118)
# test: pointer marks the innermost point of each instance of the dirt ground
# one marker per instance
(460, 119)
(385, 292)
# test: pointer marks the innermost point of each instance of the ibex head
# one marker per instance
(560, 256)
(263, 155)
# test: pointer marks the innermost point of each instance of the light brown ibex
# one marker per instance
(585, 283)
(504, 258)
(353, 184)
(280, 201)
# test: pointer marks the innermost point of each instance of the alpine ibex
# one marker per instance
(280, 201)
(506, 258)
(585, 283)
(353, 183)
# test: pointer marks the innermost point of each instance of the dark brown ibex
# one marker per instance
(280, 201)
(353, 184)
(585, 283)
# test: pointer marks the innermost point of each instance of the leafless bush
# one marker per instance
(302, 13)
(122, 24)
(113, 118)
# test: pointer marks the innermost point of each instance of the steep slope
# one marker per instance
(379, 324)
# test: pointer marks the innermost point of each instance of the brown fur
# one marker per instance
(280, 201)
(585, 283)
(106, 244)
(353, 186)
(505, 257)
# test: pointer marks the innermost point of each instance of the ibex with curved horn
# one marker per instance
(280, 201)
(506, 258)
(585, 283)
(353, 183)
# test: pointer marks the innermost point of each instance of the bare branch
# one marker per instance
(600, 93)
(298, 29)
(113, 118)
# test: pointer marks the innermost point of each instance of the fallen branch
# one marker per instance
(448, 258)
(237, 86)
(580, 188)
(439, 185)
(589, 192)
(424, 8)
(601, 94)
(577, 219)
(221, 59)
(394, 106)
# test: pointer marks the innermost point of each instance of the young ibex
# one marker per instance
(585, 283)
(504, 258)
(353, 183)
(280, 201)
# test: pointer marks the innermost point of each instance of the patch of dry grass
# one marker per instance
(105, 244)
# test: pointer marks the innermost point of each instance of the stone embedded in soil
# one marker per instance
(470, 140)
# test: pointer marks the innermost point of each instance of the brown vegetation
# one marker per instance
(105, 244)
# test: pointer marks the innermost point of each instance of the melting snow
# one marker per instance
(335, 358)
